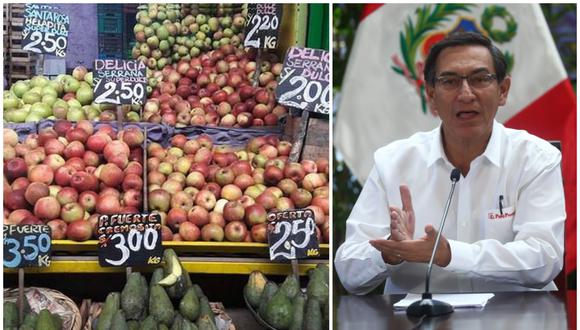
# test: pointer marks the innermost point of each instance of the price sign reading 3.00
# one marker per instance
(263, 25)
(27, 246)
(129, 240)
(292, 235)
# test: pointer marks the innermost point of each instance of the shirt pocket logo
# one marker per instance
(499, 225)
(506, 214)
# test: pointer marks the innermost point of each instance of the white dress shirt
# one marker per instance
(517, 249)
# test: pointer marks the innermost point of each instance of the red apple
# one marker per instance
(15, 168)
(259, 233)
(198, 215)
(47, 208)
(35, 191)
(57, 229)
(67, 195)
(79, 230)
(255, 214)
(236, 231)
(189, 231)
(108, 204)
(88, 200)
(71, 212)
(212, 232)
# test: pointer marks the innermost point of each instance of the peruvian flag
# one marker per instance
(383, 94)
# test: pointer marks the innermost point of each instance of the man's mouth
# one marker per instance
(467, 114)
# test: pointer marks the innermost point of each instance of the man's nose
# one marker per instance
(465, 92)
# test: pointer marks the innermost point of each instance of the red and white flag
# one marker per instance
(383, 95)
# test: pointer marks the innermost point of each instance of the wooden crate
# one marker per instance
(317, 136)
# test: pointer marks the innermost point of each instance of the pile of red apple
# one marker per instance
(215, 89)
(215, 192)
(66, 176)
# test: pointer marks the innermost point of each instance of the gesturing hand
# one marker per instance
(403, 220)
(418, 250)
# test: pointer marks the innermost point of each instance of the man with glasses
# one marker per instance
(505, 227)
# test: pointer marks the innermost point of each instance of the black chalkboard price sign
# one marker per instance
(120, 82)
(27, 246)
(45, 30)
(305, 80)
(129, 240)
(292, 235)
(263, 25)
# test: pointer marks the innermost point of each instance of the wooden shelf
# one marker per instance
(242, 266)
(182, 247)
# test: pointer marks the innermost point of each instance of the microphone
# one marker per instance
(428, 306)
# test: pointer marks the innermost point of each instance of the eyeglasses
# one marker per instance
(451, 82)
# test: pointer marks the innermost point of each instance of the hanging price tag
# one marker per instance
(120, 82)
(27, 246)
(45, 30)
(305, 80)
(129, 240)
(263, 25)
(292, 235)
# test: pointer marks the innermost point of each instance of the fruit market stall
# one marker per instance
(171, 155)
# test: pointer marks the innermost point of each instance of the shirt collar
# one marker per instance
(492, 151)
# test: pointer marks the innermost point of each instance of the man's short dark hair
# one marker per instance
(464, 39)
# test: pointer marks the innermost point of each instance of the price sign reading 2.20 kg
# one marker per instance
(263, 25)
(305, 80)
(292, 235)
(45, 30)
(120, 82)
(26, 246)
(129, 240)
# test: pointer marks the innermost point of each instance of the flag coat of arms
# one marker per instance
(383, 95)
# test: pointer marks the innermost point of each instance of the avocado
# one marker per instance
(112, 304)
(290, 287)
(149, 323)
(119, 322)
(254, 288)
(133, 297)
(10, 315)
(313, 318)
(279, 311)
(160, 306)
(189, 305)
(269, 290)
(298, 305)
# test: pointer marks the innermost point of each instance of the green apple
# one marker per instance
(39, 81)
(75, 114)
(31, 97)
(33, 117)
(71, 85)
(84, 95)
(20, 87)
(74, 103)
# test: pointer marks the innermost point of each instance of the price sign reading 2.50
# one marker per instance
(119, 92)
(292, 235)
(27, 246)
(46, 43)
(129, 240)
(120, 82)
(263, 25)
(45, 30)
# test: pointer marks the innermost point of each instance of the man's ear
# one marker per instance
(504, 88)
(430, 93)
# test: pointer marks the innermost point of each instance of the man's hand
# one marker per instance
(418, 250)
(403, 220)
